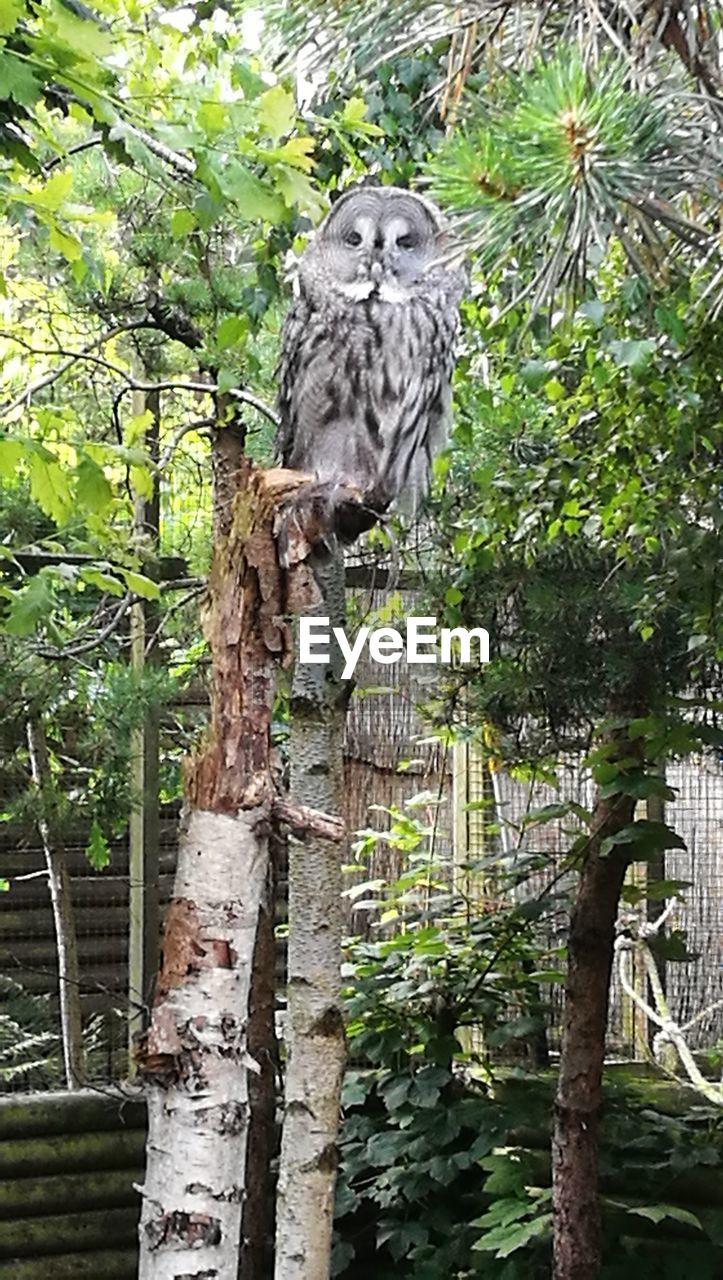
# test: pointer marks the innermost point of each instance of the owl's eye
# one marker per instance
(407, 241)
(353, 239)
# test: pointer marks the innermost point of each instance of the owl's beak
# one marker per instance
(376, 271)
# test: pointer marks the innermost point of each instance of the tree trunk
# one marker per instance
(314, 1028)
(66, 941)
(578, 1102)
(256, 1260)
(195, 1056)
(144, 820)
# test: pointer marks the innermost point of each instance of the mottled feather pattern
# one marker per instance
(368, 352)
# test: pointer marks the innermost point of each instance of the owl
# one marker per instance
(368, 348)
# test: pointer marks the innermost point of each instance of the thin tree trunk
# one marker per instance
(256, 1260)
(144, 821)
(578, 1102)
(66, 939)
(315, 1029)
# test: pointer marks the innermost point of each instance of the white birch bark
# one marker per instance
(314, 1030)
(198, 1121)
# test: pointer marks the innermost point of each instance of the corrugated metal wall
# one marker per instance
(68, 1204)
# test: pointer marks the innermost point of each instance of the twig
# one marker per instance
(72, 650)
(133, 384)
(178, 436)
(255, 403)
(54, 374)
(307, 822)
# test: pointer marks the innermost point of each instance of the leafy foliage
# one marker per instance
(31, 1054)
(426, 1143)
(561, 159)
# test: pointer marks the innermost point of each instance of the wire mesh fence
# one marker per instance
(390, 758)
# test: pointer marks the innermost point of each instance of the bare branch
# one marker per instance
(95, 141)
(260, 405)
(182, 165)
(132, 384)
(178, 436)
(307, 822)
(54, 374)
(73, 650)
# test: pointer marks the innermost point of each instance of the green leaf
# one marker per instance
(396, 1091)
(10, 13)
(182, 221)
(17, 80)
(142, 482)
(593, 310)
(277, 112)
(85, 36)
(640, 785)
(30, 606)
(252, 198)
(227, 378)
(105, 582)
(55, 192)
(50, 487)
(534, 373)
(548, 813)
(633, 353)
(92, 489)
(141, 585)
(657, 1212)
(645, 838)
(298, 191)
(65, 242)
(554, 390)
(12, 452)
(136, 427)
(505, 1240)
(231, 330)
(353, 118)
(97, 849)
(297, 152)
(212, 117)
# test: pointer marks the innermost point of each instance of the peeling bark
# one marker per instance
(196, 1055)
(315, 1028)
(202, 1041)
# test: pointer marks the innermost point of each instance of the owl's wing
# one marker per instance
(364, 390)
(287, 373)
(411, 392)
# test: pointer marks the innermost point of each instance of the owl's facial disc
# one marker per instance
(377, 241)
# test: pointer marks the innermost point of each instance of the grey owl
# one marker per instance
(368, 347)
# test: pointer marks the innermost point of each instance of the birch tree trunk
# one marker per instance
(66, 939)
(315, 1028)
(195, 1055)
